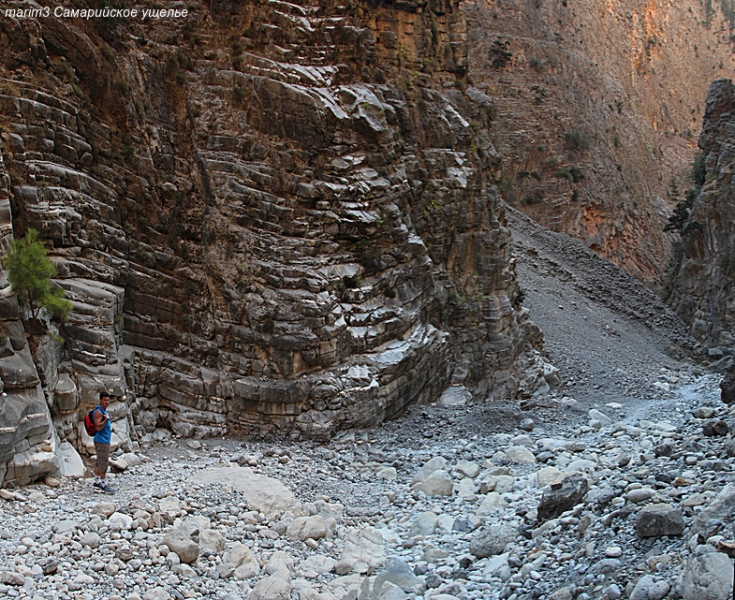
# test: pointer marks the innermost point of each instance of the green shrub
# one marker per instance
(30, 272)
(698, 173)
(576, 173)
(352, 282)
(536, 64)
(239, 95)
(680, 217)
(499, 55)
(532, 198)
(577, 139)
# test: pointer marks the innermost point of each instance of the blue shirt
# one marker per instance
(104, 435)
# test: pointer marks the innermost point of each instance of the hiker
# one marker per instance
(102, 443)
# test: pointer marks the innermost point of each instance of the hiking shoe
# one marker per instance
(97, 484)
(107, 489)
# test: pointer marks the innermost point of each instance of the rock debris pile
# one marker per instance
(607, 502)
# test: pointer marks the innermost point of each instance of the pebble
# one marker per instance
(460, 514)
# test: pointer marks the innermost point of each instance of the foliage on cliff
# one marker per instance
(30, 272)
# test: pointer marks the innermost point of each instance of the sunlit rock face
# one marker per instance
(599, 106)
(267, 215)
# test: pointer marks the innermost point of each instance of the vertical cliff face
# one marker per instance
(266, 214)
(701, 287)
(599, 105)
(28, 442)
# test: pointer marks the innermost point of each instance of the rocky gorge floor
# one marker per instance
(617, 485)
(423, 507)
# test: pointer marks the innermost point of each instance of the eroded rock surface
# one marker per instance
(702, 283)
(266, 215)
(28, 442)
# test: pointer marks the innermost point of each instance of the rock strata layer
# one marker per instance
(266, 215)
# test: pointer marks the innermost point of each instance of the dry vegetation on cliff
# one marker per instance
(613, 92)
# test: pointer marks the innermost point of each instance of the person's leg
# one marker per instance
(103, 460)
(99, 450)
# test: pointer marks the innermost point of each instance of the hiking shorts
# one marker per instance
(103, 457)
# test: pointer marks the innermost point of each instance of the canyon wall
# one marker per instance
(598, 108)
(701, 285)
(268, 216)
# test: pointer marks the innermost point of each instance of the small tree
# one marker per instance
(30, 272)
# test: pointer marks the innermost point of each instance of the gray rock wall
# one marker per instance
(701, 289)
(266, 216)
(28, 442)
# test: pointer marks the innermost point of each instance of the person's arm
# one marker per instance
(99, 419)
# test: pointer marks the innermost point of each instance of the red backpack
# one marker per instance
(89, 422)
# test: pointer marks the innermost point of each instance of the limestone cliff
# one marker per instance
(599, 105)
(267, 214)
(701, 286)
(28, 442)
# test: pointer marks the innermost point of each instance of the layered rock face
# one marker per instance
(267, 215)
(599, 106)
(701, 287)
(28, 442)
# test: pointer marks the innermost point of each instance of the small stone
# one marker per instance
(12, 578)
(304, 528)
(271, 588)
(388, 473)
(490, 541)
(704, 412)
(119, 464)
(180, 543)
(658, 520)
(708, 577)
(423, 524)
(601, 417)
(90, 539)
(399, 574)
(211, 540)
(105, 509)
(520, 454)
(639, 495)
(556, 501)
(715, 428)
(439, 483)
(527, 424)
(468, 468)
(642, 588)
